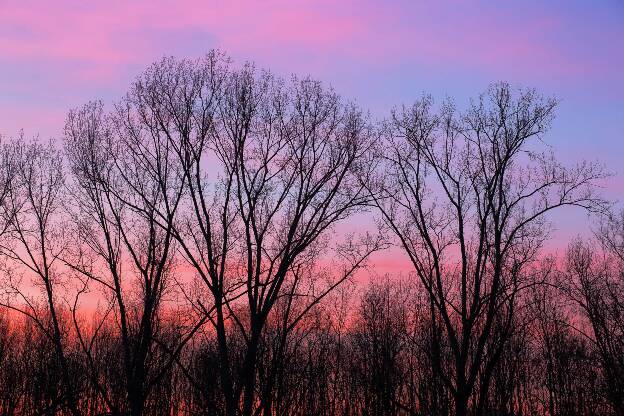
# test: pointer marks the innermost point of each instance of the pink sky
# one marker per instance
(58, 54)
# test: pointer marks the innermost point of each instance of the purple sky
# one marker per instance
(58, 54)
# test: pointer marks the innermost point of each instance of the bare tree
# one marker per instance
(287, 155)
(195, 261)
(594, 281)
(466, 194)
(36, 240)
(381, 339)
(127, 191)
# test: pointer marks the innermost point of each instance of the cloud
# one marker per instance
(106, 36)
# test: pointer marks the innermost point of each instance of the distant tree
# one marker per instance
(595, 281)
(381, 340)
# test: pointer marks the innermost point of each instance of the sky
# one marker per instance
(56, 55)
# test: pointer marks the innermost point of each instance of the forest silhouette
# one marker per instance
(178, 252)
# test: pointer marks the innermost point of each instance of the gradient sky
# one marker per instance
(55, 55)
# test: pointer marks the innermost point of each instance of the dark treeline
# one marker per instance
(178, 252)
